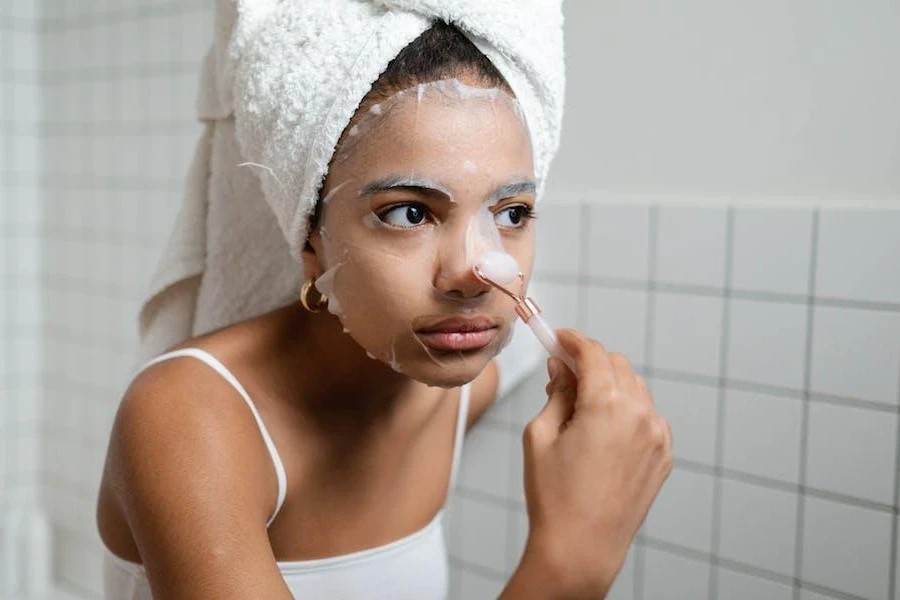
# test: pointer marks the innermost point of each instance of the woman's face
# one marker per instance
(420, 187)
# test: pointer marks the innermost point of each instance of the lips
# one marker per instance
(459, 334)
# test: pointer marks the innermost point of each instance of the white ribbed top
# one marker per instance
(413, 567)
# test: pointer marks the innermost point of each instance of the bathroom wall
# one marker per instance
(21, 246)
(724, 210)
(771, 341)
(119, 130)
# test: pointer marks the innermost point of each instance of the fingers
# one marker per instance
(545, 427)
(595, 371)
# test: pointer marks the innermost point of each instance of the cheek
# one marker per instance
(382, 286)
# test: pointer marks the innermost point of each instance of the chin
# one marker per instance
(454, 371)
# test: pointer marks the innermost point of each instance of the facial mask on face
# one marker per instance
(393, 273)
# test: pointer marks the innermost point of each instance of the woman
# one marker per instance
(234, 473)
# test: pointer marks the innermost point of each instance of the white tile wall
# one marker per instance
(619, 318)
(735, 585)
(758, 526)
(772, 250)
(687, 333)
(846, 548)
(692, 411)
(21, 253)
(618, 242)
(766, 343)
(858, 253)
(559, 254)
(691, 245)
(763, 435)
(671, 576)
(682, 513)
(852, 451)
(855, 353)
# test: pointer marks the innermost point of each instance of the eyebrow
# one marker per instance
(431, 188)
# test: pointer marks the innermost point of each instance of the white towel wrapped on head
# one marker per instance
(281, 82)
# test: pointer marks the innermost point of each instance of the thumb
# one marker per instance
(560, 403)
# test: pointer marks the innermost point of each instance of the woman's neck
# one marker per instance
(325, 374)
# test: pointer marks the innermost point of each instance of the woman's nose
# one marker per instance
(455, 276)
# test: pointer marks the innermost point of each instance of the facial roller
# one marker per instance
(498, 269)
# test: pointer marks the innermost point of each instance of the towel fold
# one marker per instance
(277, 88)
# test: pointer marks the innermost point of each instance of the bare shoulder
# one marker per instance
(181, 413)
(483, 394)
(190, 474)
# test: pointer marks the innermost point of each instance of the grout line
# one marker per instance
(583, 265)
(740, 567)
(785, 486)
(708, 291)
(648, 370)
(724, 337)
(804, 422)
(892, 566)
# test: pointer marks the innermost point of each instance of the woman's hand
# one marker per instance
(595, 458)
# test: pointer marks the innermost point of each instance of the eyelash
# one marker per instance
(526, 216)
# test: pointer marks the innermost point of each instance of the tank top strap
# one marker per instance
(461, 418)
(216, 365)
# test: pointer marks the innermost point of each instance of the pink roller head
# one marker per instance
(499, 267)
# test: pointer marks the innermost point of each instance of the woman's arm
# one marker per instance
(193, 478)
(539, 577)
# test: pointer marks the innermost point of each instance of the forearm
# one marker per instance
(538, 577)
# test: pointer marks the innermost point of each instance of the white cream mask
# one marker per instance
(424, 184)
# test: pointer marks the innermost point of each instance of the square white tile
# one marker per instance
(855, 353)
(691, 410)
(558, 302)
(484, 534)
(858, 254)
(671, 577)
(762, 435)
(691, 245)
(682, 511)
(758, 526)
(618, 319)
(558, 243)
(486, 460)
(846, 548)
(767, 342)
(735, 585)
(687, 334)
(852, 451)
(618, 241)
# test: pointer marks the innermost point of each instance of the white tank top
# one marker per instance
(410, 568)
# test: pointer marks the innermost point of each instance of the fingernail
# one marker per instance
(552, 367)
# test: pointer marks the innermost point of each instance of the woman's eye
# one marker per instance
(404, 215)
(514, 216)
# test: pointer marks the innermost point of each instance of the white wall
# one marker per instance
(769, 336)
(21, 250)
(715, 101)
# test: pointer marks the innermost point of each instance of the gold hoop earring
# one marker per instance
(316, 306)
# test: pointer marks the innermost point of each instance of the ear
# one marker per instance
(310, 255)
